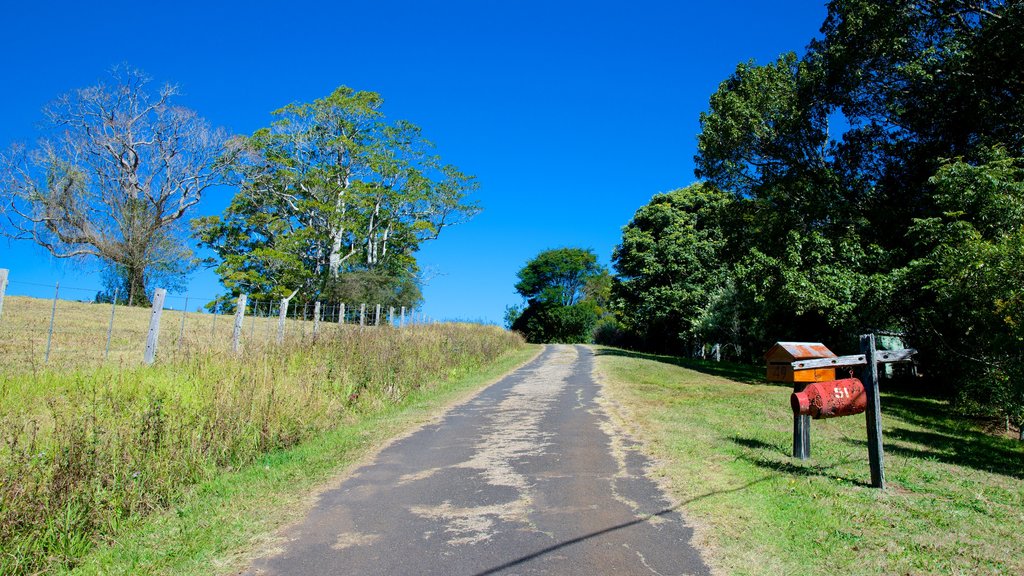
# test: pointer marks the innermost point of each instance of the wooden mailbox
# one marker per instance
(782, 355)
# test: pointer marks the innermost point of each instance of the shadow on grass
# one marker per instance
(743, 373)
(595, 534)
(974, 450)
(977, 451)
(792, 468)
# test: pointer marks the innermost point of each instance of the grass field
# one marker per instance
(87, 452)
(723, 439)
(81, 330)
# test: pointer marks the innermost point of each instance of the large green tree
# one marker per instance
(564, 289)
(334, 201)
(670, 266)
(875, 180)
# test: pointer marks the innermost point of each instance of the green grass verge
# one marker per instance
(723, 443)
(222, 523)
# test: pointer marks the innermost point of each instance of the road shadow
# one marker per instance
(624, 525)
(743, 373)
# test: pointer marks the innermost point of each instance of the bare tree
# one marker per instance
(119, 168)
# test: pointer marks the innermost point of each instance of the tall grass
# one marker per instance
(82, 452)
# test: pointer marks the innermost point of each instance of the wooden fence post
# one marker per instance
(236, 333)
(401, 318)
(869, 376)
(281, 318)
(3, 288)
(53, 316)
(316, 319)
(391, 316)
(376, 316)
(154, 326)
(341, 314)
(362, 314)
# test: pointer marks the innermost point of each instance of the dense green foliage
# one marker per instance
(565, 289)
(670, 266)
(333, 203)
(87, 453)
(873, 183)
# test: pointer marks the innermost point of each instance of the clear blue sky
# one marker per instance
(571, 114)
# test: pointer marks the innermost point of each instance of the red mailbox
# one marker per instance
(830, 399)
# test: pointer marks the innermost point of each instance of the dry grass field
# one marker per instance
(89, 446)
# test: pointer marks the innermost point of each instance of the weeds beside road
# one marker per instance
(87, 453)
(954, 505)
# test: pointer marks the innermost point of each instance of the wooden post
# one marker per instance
(391, 316)
(236, 333)
(801, 430)
(53, 315)
(376, 316)
(362, 315)
(401, 318)
(3, 288)
(281, 318)
(154, 326)
(341, 314)
(110, 328)
(316, 319)
(869, 376)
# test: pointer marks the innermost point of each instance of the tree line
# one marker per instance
(333, 199)
(875, 182)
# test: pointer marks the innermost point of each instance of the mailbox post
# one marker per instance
(869, 358)
(781, 368)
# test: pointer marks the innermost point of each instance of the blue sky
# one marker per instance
(571, 114)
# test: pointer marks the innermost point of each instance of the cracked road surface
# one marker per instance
(528, 477)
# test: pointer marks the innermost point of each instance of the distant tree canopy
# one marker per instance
(564, 289)
(872, 183)
(557, 276)
(119, 168)
(334, 201)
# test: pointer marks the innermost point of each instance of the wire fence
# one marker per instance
(80, 326)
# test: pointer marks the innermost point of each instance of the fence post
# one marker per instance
(316, 319)
(401, 319)
(154, 326)
(110, 328)
(281, 318)
(53, 314)
(376, 316)
(391, 316)
(362, 314)
(873, 415)
(236, 334)
(341, 315)
(3, 288)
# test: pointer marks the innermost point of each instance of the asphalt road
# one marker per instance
(529, 477)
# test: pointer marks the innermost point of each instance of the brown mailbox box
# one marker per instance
(781, 356)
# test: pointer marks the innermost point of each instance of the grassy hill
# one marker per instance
(89, 449)
(723, 440)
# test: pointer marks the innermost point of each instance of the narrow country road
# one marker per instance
(529, 477)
